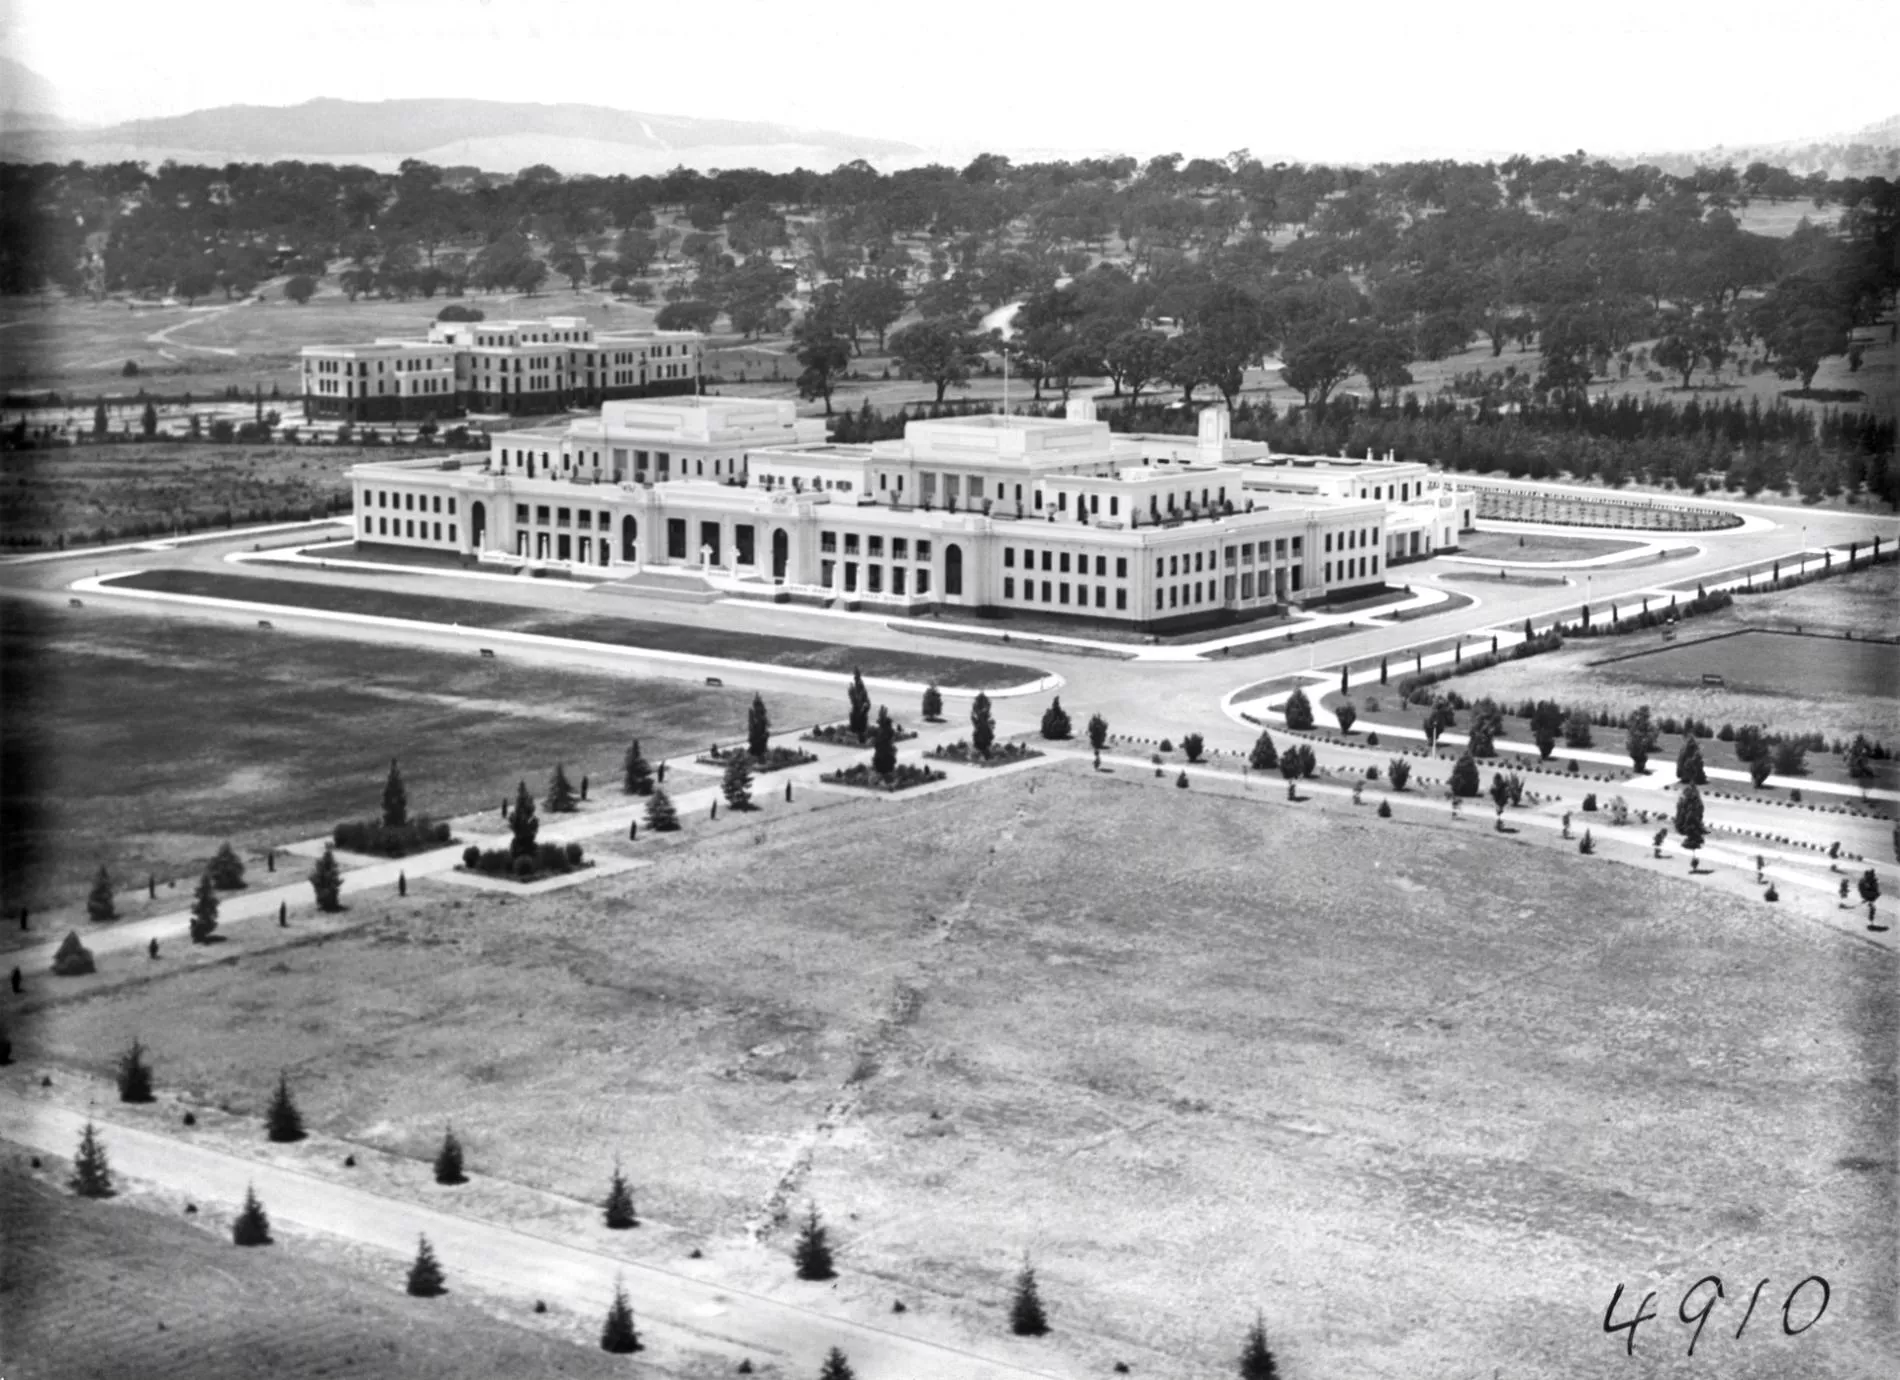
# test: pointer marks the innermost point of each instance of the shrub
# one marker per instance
(1464, 776)
(933, 704)
(1167, 745)
(1385, 809)
(1587, 844)
(471, 857)
(1192, 745)
(326, 881)
(384, 840)
(227, 869)
(1347, 717)
(1263, 757)
(1398, 771)
(1182, 780)
(1771, 894)
(1299, 710)
(99, 904)
(1590, 803)
(73, 959)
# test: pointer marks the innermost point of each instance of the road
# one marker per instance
(675, 1312)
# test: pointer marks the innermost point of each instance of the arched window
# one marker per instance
(629, 539)
(953, 570)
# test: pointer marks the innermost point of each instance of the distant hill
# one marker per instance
(27, 100)
(1873, 150)
(499, 136)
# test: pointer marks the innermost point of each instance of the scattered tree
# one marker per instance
(638, 775)
(1464, 776)
(1500, 795)
(933, 704)
(1263, 757)
(1639, 738)
(73, 959)
(135, 1075)
(1759, 770)
(204, 910)
(859, 700)
(1097, 731)
(811, 1253)
(227, 869)
(619, 1205)
(884, 744)
(1299, 710)
(283, 1122)
(1055, 720)
(1689, 766)
(1577, 732)
(1869, 891)
(1256, 1362)
(448, 1160)
(1192, 746)
(1398, 771)
(326, 880)
(736, 784)
(561, 797)
(426, 1280)
(1347, 717)
(836, 1367)
(1026, 1317)
(92, 1173)
(99, 903)
(252, 1227)
(662, 818)
(758, 728)
(618, 1334)
(395, 799)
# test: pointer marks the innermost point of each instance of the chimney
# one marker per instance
(1080, 409)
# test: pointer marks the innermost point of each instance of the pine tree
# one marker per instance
(638, 775)
(619, 1205)
(204, 910)
(1264, 756)
(1689, 766)
(933, 704)
(252, 1227)
(523, 824)
(426, 1280)
(326, 880)
(812, 1251)
(982, 725)
(1639, 739)
(836, 1367)
(448, 1161)
(92, 1174)
(99, 904)
(395, 799)
(1098, 731)
(1688, 820)
(860, 702)
(884, 744)
(736, 785)
(561, 797)
(1382, 670)
(1464, 776)
(135, 1075)
(148, 420)
(618, 1334)
(227, 868)
(1026, 1318)
(282, 1120)
(661, 816)
(1256, 1362)
(1055, 720)
(1299, 711)
(73, 959)
(758, 728)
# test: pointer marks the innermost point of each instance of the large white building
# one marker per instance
(517, 367)
(1051, 516)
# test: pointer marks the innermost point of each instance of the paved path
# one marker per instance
(675, 1312)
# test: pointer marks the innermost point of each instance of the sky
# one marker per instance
(1366, 81)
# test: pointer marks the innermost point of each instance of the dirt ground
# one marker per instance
(144, 742)
(102, 1290)
(1426, 1114)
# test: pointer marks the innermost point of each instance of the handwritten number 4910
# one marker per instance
(1698, 1314)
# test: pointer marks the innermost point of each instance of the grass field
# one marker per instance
(1424, 1110)
(79, 490)
(1774, 663)
(98, 1291)
(144, 742)
(1535, 547)
(956, 672)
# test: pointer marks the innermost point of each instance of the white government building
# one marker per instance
(1045, 515)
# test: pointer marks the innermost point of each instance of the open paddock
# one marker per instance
(1769, 663)
(1462, 1078)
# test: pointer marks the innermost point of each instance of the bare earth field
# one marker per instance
(1426, 1113)
(1862, 603)
(98, 1291)
(144, 742)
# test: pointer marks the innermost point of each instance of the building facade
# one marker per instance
(507, 367)
(998, 514)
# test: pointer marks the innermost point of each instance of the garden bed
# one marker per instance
(775, 759)
(838, 735)
(902, 778)
(379, 840)
(547, 860)
(1000, 755)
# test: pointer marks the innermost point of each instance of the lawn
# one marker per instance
(1771, 663)
(98, 1291)
(924, 668)
(1538, 547)
(142, 488)
(1423, 1110)
(143, 742)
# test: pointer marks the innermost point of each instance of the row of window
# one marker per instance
(828, 542)
(1353, 540)
(383, 498)
(563, 517)
(406, 527)
(902, 578)
(1062, 562)
(1357, 569)
(1060, 590)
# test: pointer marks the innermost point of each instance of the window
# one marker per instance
(1329, 541)
(897, 579)
(876, 546)
(1121, 600)
(1063, 565)
(828, 541)
(1063, 591)
(850, 543)
(923, 554)
(521, 513)
(1121, 567)
(676, 539)
(1101, 567)
(1174, 565)
(1047, 597)
(1009, 587)
(900, 548)
(1233, 555)
(923, 576)
(1101, 596)
(1009, 558)
(1160, 567)
(874, 578)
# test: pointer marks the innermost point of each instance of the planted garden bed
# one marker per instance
(547, 860)
(999, 755)
(372, 836)
(901, 778)
(840, 735)
(775, 759)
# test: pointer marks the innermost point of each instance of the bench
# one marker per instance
(264, 623)
(714, 680)
(489, 652)
(1709, 679)
(75, 603)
